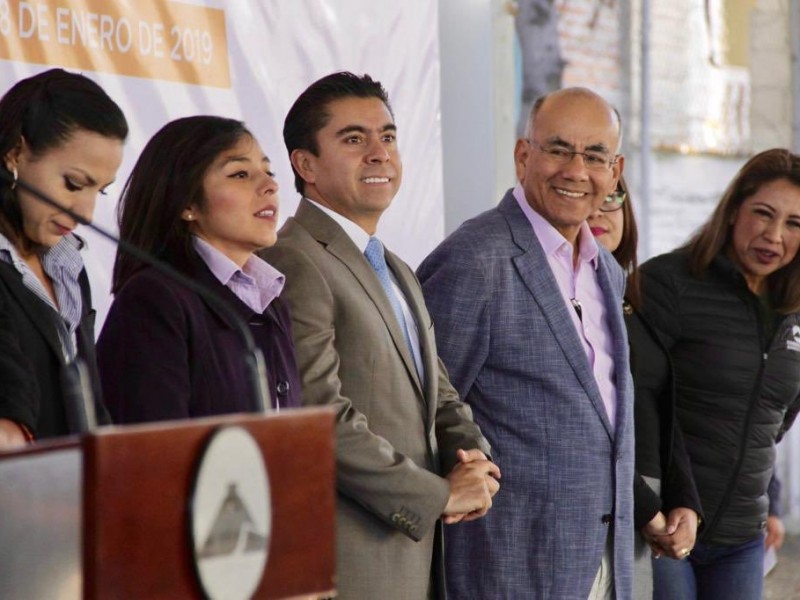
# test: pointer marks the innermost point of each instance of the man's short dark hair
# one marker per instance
(309, 113)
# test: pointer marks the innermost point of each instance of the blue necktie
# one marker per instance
(374, 255)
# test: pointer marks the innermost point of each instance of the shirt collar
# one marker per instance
(359, 237)
(64, 256)
(260, 272)
(551, 239)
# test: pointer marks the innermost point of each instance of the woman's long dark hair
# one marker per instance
(626, 252)
(167, 179)
(45, 110)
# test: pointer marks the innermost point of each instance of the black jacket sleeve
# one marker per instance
(19, 393)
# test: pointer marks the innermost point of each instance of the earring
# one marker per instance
(16, 176)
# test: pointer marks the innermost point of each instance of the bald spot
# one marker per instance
(569, 99)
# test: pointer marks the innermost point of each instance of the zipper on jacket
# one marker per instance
(726, 499)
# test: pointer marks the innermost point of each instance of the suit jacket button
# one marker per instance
(396, 518)
(283, 388)
(606, 519)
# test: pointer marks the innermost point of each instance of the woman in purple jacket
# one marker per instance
(201, 198)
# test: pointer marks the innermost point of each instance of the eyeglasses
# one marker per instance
(594, 161)
(613, 201)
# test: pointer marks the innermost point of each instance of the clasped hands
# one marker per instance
(672, 535)
(473, 483)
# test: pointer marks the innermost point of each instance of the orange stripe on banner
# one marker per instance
(154, 39)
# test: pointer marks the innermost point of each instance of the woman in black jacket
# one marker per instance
(726, 306)
(62, 135)
(666, 503)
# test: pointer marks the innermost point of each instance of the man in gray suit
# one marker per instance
(408, 452)
(528, 314)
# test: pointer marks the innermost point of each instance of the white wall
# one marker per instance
(478, 100)
(276, 48)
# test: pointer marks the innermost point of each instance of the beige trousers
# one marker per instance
(603, 586)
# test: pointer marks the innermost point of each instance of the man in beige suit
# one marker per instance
(408, 452)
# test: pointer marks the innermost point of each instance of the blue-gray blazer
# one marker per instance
(507, 339)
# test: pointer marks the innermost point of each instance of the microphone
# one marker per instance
(78, 397)
(76, 376)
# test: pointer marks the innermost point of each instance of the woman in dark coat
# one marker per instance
(727, 307)
(62, 135)
(201, 198)
(666, 502)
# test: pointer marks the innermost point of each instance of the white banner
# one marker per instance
(246, 59)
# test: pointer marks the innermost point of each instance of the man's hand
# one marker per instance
(678, 540)
(11, 435)
(473, 482)
(467, 456)
(775, 533)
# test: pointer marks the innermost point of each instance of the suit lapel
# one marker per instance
(207, 279)
(535, 273)
(40, 314)
(327, 232)
(616, 324)
(416, 303)
(235, 304)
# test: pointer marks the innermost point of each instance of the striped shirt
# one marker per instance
(62, 263)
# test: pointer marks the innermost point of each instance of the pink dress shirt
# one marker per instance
(582, 295)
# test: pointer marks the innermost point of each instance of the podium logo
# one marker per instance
(234, 531)
(231, 516)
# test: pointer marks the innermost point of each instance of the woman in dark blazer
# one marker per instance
(666, 502)
(201, 198)
(62, 135)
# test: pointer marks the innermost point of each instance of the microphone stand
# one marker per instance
(254, 358)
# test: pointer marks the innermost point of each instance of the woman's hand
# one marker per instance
(681, 531)
(775, 533)
(12, 436)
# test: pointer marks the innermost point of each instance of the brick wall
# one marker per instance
(590, 44)
(707, 115)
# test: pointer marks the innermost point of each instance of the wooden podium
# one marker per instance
(107, 516)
